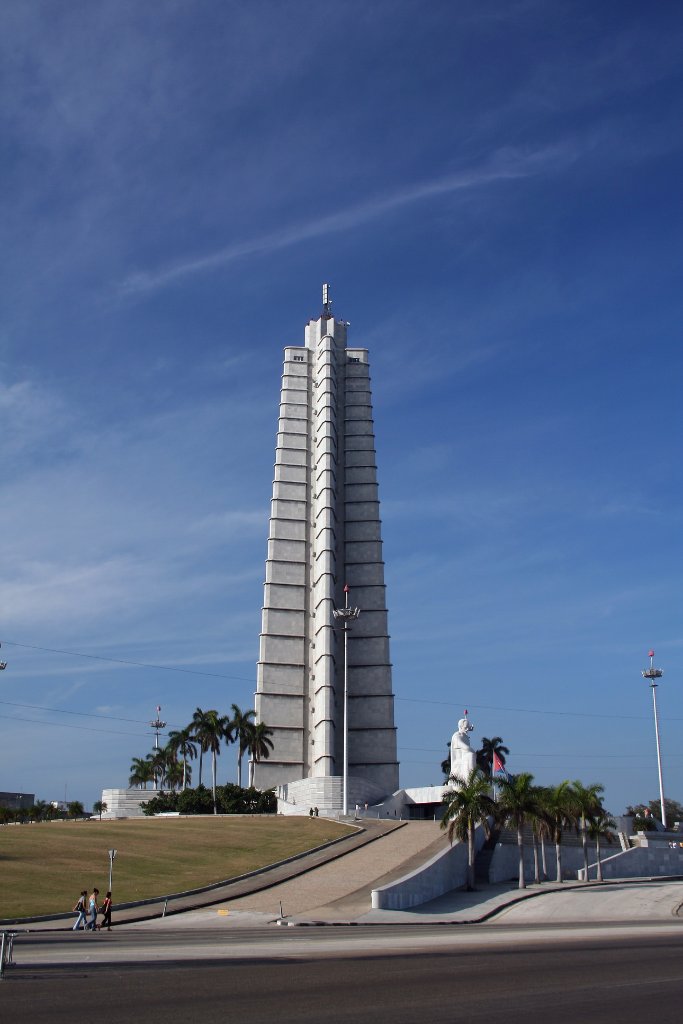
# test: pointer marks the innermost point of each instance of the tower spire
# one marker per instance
(327, 301)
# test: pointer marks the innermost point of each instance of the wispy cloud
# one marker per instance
(505, 165)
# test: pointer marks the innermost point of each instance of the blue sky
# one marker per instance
(493, 191)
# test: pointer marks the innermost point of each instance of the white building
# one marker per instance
(325, 532)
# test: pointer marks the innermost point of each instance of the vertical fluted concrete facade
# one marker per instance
(325, 531)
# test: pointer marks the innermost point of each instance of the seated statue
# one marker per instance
(463, 758)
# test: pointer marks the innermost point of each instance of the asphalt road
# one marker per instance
(376, 975)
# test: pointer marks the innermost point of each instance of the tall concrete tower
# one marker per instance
(325, 532)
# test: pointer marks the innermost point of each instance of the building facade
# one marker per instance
(325, 533)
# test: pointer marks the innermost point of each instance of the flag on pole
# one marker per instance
(498, 766)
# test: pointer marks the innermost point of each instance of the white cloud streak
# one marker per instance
(506, 165)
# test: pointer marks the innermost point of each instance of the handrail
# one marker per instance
(6, 951)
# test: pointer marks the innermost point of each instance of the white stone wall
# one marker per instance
(125, 803)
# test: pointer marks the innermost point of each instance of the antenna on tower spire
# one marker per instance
(327, 301)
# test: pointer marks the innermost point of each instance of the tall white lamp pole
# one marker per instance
(653, 674)
(345, 615)
(112, 854)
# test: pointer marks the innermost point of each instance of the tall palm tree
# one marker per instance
(488, 748)
(518, 806)
(180, 741)
(241, 731)
(600, 827)
(586, 803)
(543, 827)
(175, 772)
(209, 736)
(557, 806)
(260, 746)
(159, 761)
(140, 772)
(468, 804)
(197, 727)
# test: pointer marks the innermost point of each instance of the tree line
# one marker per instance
(205, 734)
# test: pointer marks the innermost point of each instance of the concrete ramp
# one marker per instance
(340, 890)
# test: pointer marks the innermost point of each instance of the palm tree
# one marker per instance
(197, 727)
(468, 804)
(517, 806)
(140, 772)
(175, 773)
(543, 827)
(39, 810)
(586, 804)
(241, 730)
(180, 741)
(213, 731)
(600, 827)
(557, 806)
(488, 748)
(260, 746)
(158, 761)
(99, 807)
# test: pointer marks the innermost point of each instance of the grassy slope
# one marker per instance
(44, 866)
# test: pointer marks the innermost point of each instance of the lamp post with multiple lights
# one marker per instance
(158, 724)
(653, 674)
(345, 616)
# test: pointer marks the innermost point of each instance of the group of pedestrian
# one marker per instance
(87, 908)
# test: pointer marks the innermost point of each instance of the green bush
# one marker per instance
(643, 824)
(230, 799)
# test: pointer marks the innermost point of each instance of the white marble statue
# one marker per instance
(463, 758)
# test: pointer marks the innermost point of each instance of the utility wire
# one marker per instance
(409, 700)
(82, 714)
(528, 711)
(123, 661)
(66, 725)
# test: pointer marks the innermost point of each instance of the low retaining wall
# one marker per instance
(638, 862)
(445, 871)
(504, 865)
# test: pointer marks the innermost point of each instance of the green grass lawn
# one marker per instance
(44, 866)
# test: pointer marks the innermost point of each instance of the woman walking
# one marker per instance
(80, 910)
(92, 910)
(106, 911)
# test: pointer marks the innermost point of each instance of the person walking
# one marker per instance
(106, 912)
(92, 910)
(80, 910)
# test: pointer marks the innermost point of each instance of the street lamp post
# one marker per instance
(653, 674)
(157, 725)
(112, 854)
(345, 616)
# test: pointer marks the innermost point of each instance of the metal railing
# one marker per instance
(6, 950)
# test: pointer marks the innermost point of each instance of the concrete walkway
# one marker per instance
(640, 901)
(340, 890)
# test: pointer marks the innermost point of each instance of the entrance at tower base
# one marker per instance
(326, 792)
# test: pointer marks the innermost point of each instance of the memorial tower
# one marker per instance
(325, 533)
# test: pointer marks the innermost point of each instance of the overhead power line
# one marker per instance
(82, 714)
(410, 700)
(67, 725)
(123, 661)
(527, 711)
